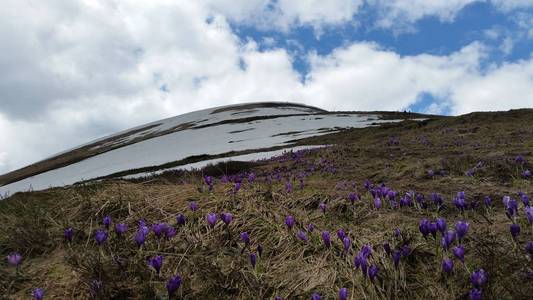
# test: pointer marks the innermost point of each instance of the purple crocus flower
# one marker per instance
(478, 278)
(396, 258)
(302, 236)
(288, 186)
(211, 219)
(278, 298)
(253, 259)
(315, 296)
(511, 208)
(156, 262)
(461, 228)
(180, 219)
(193, 206)
(140, 238)
(387, 248)
(487, 201)
(38, 294)
(142, 227)
(459, 252)
(525, 199)
(322, 207)
(209, 181)
(529, 247)
(433, 229)
(447, 265)
(226, 218)
(372, 272)
(447, 239)
(310, 227)
(353, 197)
(107, 221)
(437, 199)
(397, 232)
(100, 236)
(326, 238)
(460, 203)
(69, 234)
(14, 259)
(423, 226)
(121, 228)
(377, 203)
(475, 294)
(236, 187)
(519, 159)
(341, 234)
(526, 173)
(406, 250)
(515, 230)
(245, 238)
(170, 232)
(441, 225)
(173, 285)
(159, 229)
(289, 221)
(346, 243)
(343, 294)
(529, 214)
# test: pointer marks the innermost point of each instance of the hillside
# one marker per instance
(190, 138)
(373, 197)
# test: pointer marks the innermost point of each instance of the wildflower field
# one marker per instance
(435, 209)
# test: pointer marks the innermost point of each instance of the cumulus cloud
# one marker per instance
(76, 70)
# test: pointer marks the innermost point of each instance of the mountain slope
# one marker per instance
(221, 131)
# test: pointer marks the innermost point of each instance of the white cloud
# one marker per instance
(77, 70)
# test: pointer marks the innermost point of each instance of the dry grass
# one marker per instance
(210, 259)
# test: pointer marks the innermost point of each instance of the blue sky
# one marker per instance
(73, 71)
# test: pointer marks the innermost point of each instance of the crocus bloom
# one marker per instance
(387, 248)
(377, 203)
(326, 238)
(487, 201)
(310, 227)
(159, 229)
(396, 257)
(347, 243)
(245, 238)
(343, 294)
(459, 252)
(372, 272)
(170, 232)
(406, 250)
(14, 259)
(447, 265)
(143, 227)
(69, 234)
(447, 239)
(397, 232)
(156, 262)
(237, 187)
(322, 207)
(288, 186)
(461, 228)
(475, 294)
(289, 221)
(38, 294)
(437, 199)
(478, 278)
(341, 234)
(423, 226)
(515, 230)
(107, 221)
(519, 159)
(253, 259)
(302, 236)
(140, 237)
(193, 206)
(460, 203)
(226, 218)
(315, 296)
(121, 228)
(180, 219)
(441, 225)
(529, 214)
(173, 285)
(211, 219)
(529, 247)
(100, 236)
(526, 174)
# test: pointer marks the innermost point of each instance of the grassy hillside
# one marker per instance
(484, 155)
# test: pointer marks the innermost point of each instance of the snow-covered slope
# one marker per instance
(212, 131)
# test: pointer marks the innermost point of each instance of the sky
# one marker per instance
(72, 71)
